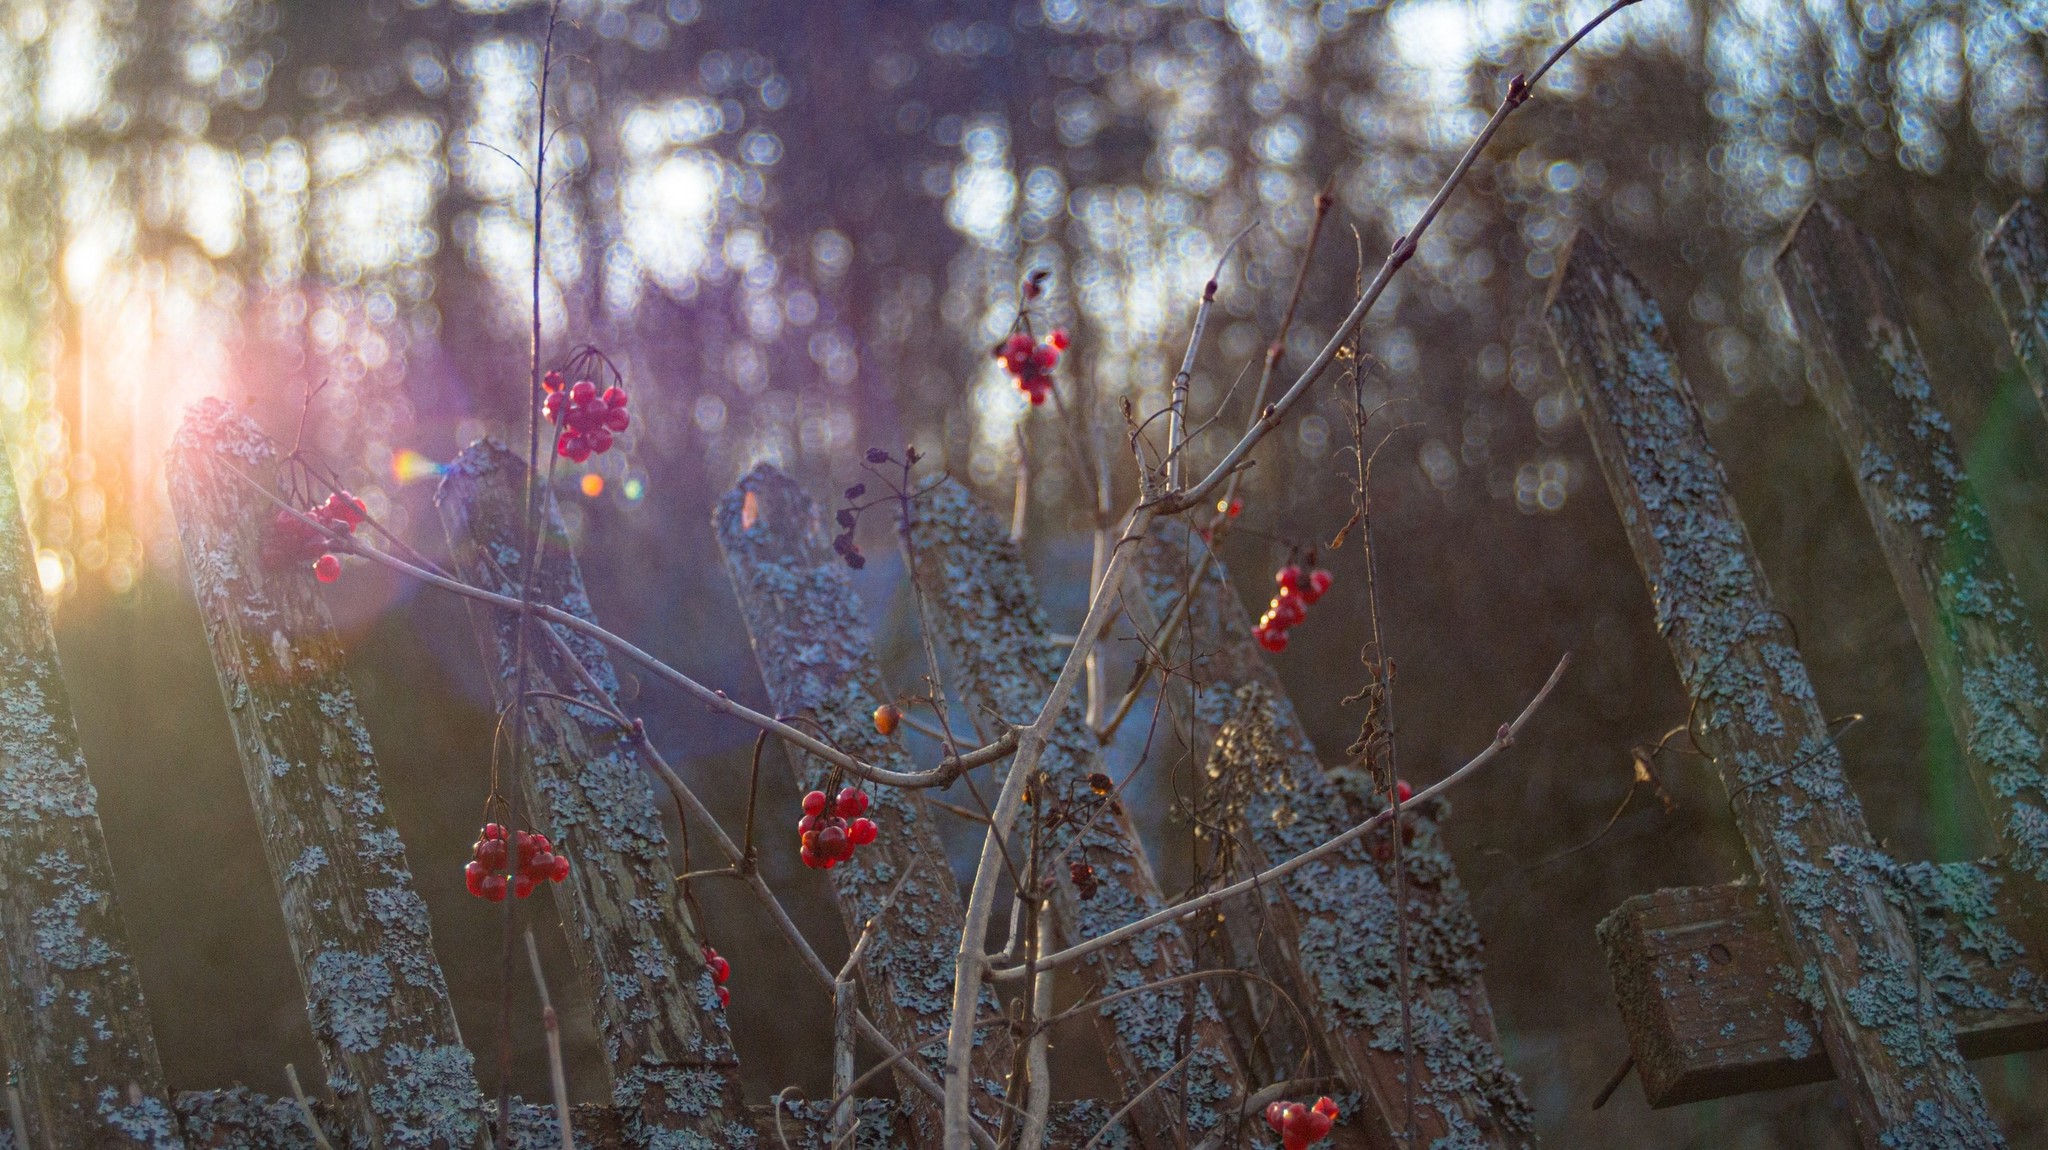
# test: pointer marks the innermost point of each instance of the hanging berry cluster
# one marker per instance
(720, 971)
(293, 540)
(538, 863)
(1301, 1126)
(1290, 606)
(588, 418)
(1030, 362)
(828, 839)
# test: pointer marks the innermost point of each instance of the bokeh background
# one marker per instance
(798, 226)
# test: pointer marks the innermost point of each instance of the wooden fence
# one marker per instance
(1195, 1053)
(1833, 960)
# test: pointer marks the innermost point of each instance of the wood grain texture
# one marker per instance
(985, 609)
(652, 996)
(1711, 1009)
(1332, 923)
(359, 932)
(1889, 1037)
(72, 1023)
(816, 661)
(1983, 658)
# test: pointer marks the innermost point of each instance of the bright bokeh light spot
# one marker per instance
(633, 489)
(50, 571)
(592, 484)
(408, 465)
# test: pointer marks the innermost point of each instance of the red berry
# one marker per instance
(551, 408)
(1406, 792)
(832, 843)
(1325, 1107)
(493, 888)
(1288, 576)
(1288, 610)
(810, 856)
(807, 824)
(582, 392)
(614, 396)
(552, 381)
(814, 803)
(600, 441)
(617, 420)
(1044, 357)
(494, 831)
(327, 568)
(522, 886)
(473, 877)
(852, 801)
(724, 997)
(542, 866)
(862, 832)
(491, 853)
(1271, 640)
(1276, 1114)
(720, 969)
(1017, 350)
(560, 870)
(1320, 580)
(1059, 338)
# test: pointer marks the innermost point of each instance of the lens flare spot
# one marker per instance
(50, 570)
(633, 489)
(592, 485)
(408, 465)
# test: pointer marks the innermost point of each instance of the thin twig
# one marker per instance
(1501, 741)
(291, 1077)
(1140, 1096)
(558, 1078)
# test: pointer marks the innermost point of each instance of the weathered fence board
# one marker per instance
(815, 658)
(2015, 264)
(1890, 1039)
(1333, 921)
(656, 1008)
(358, 930)
(72, 1024)
(1711, 1009)
(1865, 367)
(985, 610)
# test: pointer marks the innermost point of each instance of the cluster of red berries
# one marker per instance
(720, 971)
(1031, 362)
(828, 838)
(538, 863)
(1301, 1126)
(293, 540)
(1290, 606)
(589, 418)
(1085, 882)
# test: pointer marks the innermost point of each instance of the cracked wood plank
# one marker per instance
(358, 930)
(816, 661)
(72, 1022)
(1865, 368)
(2015, 264)
(1711, 1003)
(653, 1000)
(986, 613)
(1333, 921)
(1890, 1039)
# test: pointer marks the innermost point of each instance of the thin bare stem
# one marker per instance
(291, 1077)
(1501, 741)
(1174, 500)
(1140, 1096)
(1177, 404)
(558, 1077)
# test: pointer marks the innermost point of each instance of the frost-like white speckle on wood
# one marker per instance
(667, 1042)
(71, 1012)
(812, 645)
(359, 933)
(1333, 921)
(985, 609)
(1886, 1031)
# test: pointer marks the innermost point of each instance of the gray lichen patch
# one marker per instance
(359, 932)
(590, 793)
(816, 660)
(990, 621)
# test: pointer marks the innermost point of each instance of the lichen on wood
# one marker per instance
(1333, 921)
(2015, 264)
(358, 930)
(1888, 1035)
(816, 660)
(985, 610)
(72, 1019)
(1865, 367)
(1712, 1008)
(655, 1005)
